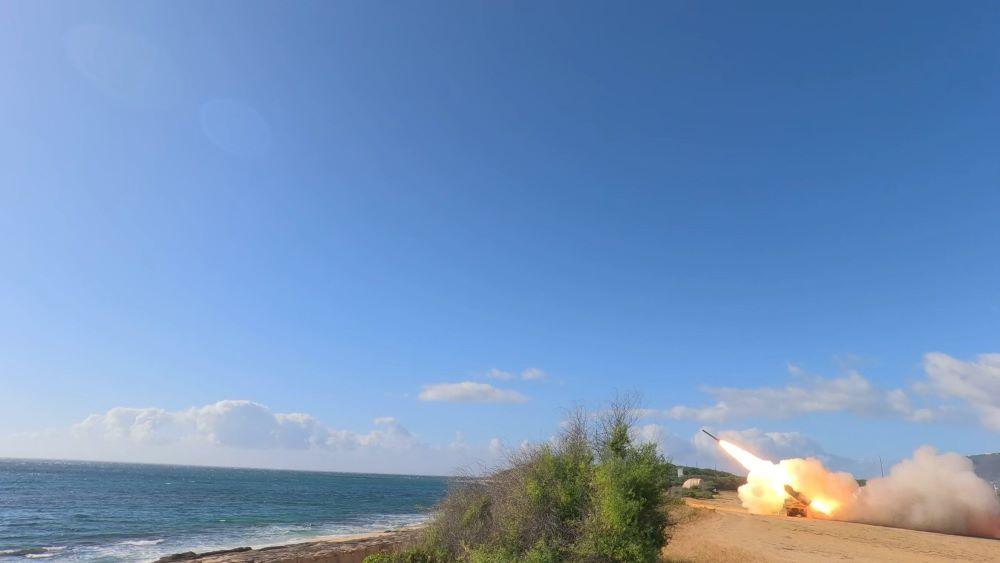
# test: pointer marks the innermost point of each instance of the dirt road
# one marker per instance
(719, 530)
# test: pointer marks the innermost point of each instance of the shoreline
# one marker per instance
(125, 462)
(321, 549)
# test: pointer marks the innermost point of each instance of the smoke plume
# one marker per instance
(931, 491)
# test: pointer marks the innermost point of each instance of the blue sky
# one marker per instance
(331, 208)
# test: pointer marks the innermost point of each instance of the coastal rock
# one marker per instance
(336, 550)
(177, 557)
(190, 555)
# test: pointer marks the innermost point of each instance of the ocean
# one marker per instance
(86, 511)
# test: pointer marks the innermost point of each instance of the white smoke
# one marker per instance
(933, 492)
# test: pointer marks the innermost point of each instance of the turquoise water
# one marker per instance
(82, 511)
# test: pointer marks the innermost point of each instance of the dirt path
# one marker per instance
(719, 530)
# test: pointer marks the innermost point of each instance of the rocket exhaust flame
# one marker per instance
(770, 484)
(931, 491)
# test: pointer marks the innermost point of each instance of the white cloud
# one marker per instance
(671, 446)
(147, 426)
(976, 383)
(851, 392)
(532, 374)
(469, 392)
(500, 374)
(233, 423)
(964, 390)
(528, 374)
(459, 442)
(388, 433)
(247, 434)
(497, 447)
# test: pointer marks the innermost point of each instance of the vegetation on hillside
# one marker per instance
(711, 479)
(592, 494)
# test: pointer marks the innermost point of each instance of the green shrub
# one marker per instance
(697, 493)
(419, 554)
(627, 519)
(591, 495)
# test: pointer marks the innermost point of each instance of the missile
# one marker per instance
(710, 434)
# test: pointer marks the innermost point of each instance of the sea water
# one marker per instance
(84, 511)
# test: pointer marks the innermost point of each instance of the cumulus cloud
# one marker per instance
(963, 390)
(238, 433)
(975, 383)
(147, 426)
(532, 374)
(528, 374)
(500, 374)
(232, 423)
(497, 447)
(469, 392)
(851, 392)
(388, 433)
(670, 445)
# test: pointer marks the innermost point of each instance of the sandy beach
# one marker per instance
(720, 530)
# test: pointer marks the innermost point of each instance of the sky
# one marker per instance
(408, 237)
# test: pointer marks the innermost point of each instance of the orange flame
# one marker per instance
(765, 489)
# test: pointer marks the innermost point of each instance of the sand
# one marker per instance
(720, 530)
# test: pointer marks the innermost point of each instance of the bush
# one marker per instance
(627, 519)
(419, 554)
(697, 493)
(591, 495)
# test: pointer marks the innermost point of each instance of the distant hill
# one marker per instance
(987, 466)
(722, 480)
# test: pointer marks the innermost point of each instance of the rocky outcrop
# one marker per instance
(342, 550)
(190, 555)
